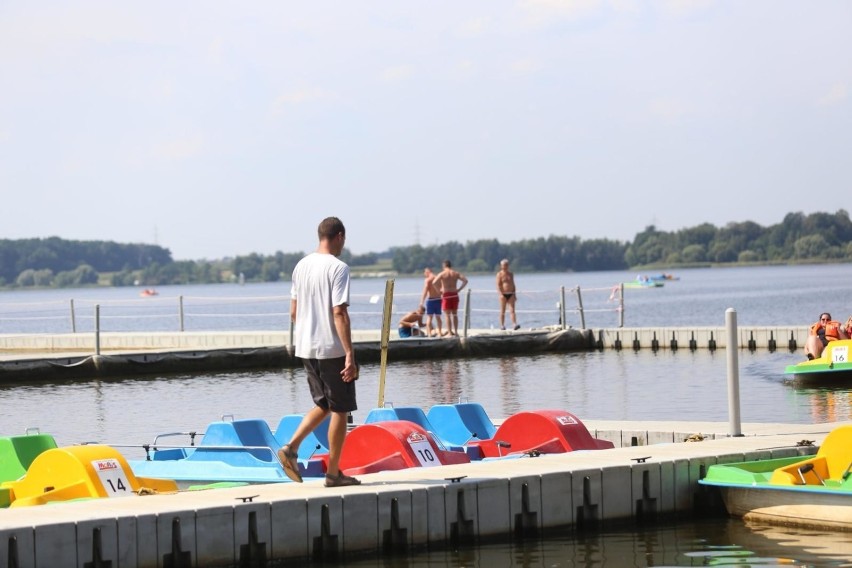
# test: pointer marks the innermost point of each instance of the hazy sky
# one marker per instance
(223, 128)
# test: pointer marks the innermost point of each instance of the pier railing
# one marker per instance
(478, 309)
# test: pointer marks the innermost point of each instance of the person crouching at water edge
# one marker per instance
(411, 322)
(822, 333)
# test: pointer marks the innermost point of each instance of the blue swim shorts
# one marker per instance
(433, 307)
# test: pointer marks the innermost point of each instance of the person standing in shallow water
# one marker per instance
(319, 310)
(507, 294)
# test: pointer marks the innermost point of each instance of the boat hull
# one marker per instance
(834, 363)
(813, 492)
(811, 509)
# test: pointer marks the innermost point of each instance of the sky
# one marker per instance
(217, 129)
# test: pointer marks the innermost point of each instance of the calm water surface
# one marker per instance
(773, 295)
(610, 385)
(607, 385)
(711, 542)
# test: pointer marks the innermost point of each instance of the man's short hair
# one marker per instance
(330, 227)
(504, 261)
(448, 264)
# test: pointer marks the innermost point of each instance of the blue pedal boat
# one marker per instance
(229, 451)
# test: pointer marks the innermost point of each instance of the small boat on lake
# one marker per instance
(148, 292)
(832, 364)
(644, 282)
(799, 491)
(664, 276)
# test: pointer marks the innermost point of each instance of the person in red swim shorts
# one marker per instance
(448, 281)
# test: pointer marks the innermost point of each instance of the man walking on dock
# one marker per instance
(319, 310)
(448, 281)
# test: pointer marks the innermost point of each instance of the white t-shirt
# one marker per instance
(320, 282)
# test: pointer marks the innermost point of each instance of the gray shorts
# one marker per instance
(327, 387)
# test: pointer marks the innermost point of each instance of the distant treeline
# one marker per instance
(551, 254)
(815, 237)
(798, 238)
(58, 262)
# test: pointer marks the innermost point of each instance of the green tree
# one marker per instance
(125, 277)
(693, 253)
(699, 235)
(650, 246)
(81, 276)
(748, 256)
(811, 246)
(270, 271)
(26, 278)
(30, 277)
(249, 266)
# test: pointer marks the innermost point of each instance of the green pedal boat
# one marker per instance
(811, 492)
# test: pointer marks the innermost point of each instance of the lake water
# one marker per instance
(772, 295)
(609, 385)
(705, 542)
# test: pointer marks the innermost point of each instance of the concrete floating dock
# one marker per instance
(82, 355)
(72, 356)
(401, 510)
(769, 337)
(752, 338)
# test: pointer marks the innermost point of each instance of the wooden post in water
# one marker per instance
(580, 307)
(386, 318)
(733, 373)
(621, 305)
(466, 312)
(180, 311)
(562, 320)
(73, 318)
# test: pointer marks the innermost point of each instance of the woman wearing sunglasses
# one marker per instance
(823, 331)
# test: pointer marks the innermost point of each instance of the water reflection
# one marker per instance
(449, 387)
(706, 542)
(829, 399)
(609, 385)
(507, 370)
(830, 405)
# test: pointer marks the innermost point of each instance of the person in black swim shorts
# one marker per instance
(508, 296)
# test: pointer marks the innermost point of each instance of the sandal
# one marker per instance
(289, 461)
(340, 480)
